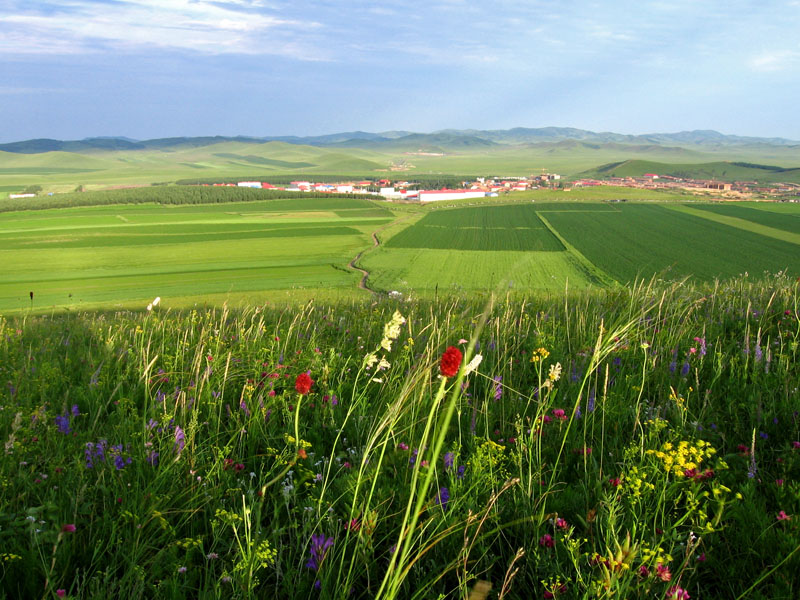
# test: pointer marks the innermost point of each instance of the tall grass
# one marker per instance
(634, 443)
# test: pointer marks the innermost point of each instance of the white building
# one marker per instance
(437, 195)
(250, 184)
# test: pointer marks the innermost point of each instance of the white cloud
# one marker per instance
(220, 27)
(780, 60)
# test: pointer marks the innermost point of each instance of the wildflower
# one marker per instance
(663, 572)
(644, 571)
(796, 445)
(782, 516)
(443, 497)
(402, 446)
(391, 331)
(450, 362)
(61, 593)
(555, 372)
(302, 453)
(181, 569)
(498, 387)
(303, 384)
(319, 548)
(70, 528)
(685, 369)
(448, 460)
(212, 556)
(559, 414)
(180, 439)
(561, 523)
(62, 422)
(473, 364)
(547, 541)
(676, 593)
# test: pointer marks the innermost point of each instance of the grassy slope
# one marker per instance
(63, 171)
(116, 254)
(725, 171)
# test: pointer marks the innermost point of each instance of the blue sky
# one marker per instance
(156, 68)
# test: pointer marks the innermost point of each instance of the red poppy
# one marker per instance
(451, 361)
(303, 383)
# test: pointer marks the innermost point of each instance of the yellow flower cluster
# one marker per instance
(489, 457)
(266, 555)
(539, 354)
(189, 543)
(634, 483)
(8, 556)
(655, 556)
(227, 518)
(684, 456)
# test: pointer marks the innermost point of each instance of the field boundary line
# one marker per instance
(602, 277)
(738, 223)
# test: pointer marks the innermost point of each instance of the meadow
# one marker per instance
(634, 442)
(95, 256)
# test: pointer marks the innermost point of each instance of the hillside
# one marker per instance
(722, 171)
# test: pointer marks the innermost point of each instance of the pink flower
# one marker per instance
(615, 481)
(559, 414)
(561, 523)
(61, 593)
(547, 541)
(644, 571)
(782, 516)
(796, 445)
(68, 528)
(677, 593)
(663, 572)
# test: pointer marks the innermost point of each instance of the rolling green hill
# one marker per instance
(723, 171)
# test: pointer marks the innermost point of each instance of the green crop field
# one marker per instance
(642, 240)
(104, 256)
(787, 221)
(251, 244)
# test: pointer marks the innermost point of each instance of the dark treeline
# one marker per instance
(162, 195)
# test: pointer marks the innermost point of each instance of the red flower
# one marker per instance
(303, 384)
(68, 528)
(451, 361)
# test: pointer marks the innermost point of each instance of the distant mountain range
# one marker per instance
(447, 139)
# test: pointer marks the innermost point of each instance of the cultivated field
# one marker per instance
(582, 244)
(113, 255)
(128, 254)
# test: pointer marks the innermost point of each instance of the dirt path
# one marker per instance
(362, 284)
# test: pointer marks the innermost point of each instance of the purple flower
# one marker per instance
(590, 402)
(758, 354)
(443, 497)
(448, 460)
(62, 422)
(243, 406)
(152, 458)
(319, 548)
(461, 469)
(75, 411)
(685, 369)
(180, 439)
(498, 388)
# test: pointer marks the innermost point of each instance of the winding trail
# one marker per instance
(362, 284)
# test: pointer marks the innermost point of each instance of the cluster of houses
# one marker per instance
(736, 189)
(406, 190)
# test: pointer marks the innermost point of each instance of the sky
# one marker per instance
(71, 69)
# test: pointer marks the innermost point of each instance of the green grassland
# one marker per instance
(93, 256)
(720, 170)
(251, 244)
(61, 171)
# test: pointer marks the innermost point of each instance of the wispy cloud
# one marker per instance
(780, 60)
(219, 27)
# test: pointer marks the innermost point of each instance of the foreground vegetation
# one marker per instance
(634, 443)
